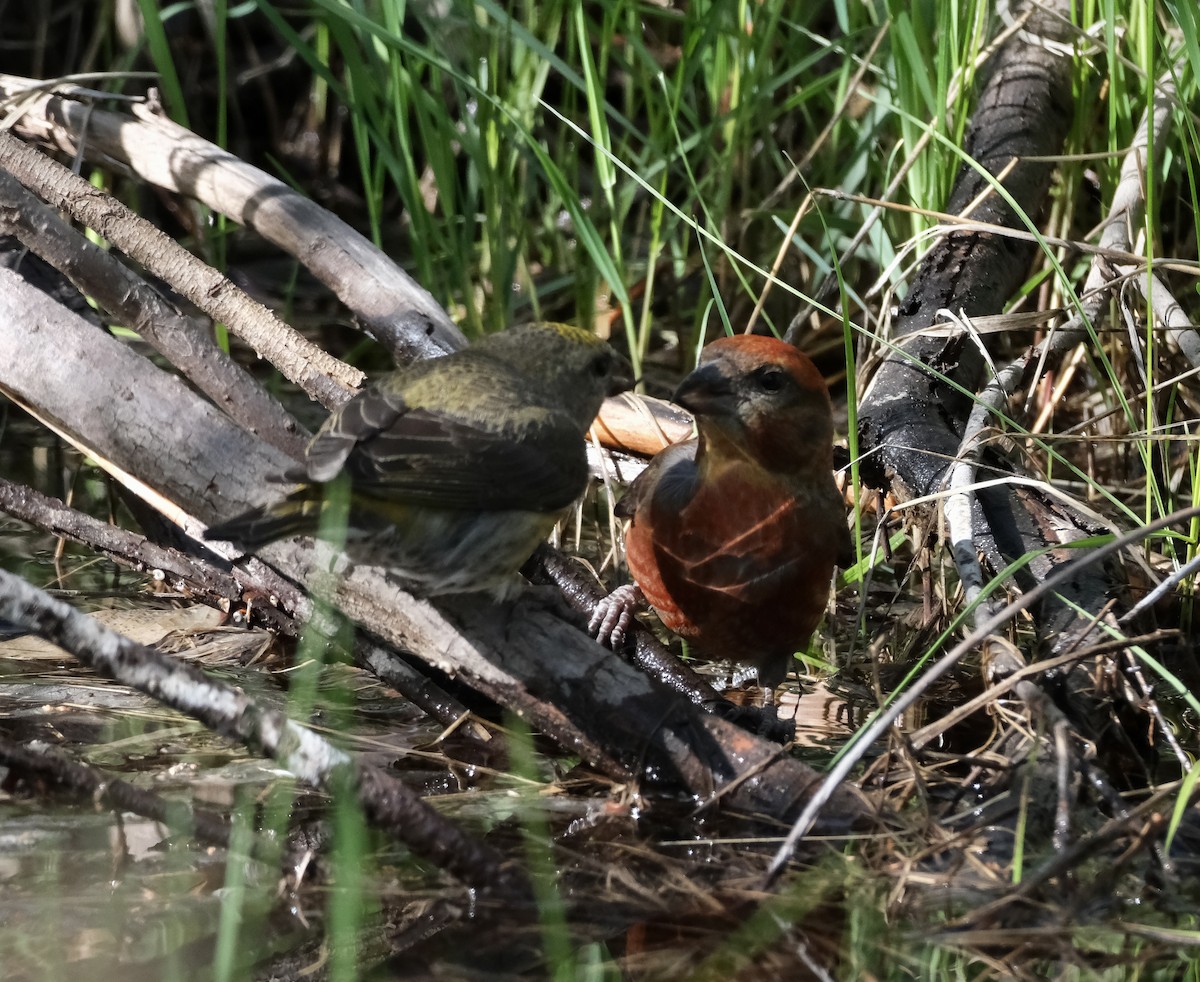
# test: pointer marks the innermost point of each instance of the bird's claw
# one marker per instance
(613, 615)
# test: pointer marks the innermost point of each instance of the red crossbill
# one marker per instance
(734, 535)
(458, 466)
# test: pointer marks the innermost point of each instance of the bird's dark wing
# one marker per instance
(670, 477)
(358, 422)
(421, 456)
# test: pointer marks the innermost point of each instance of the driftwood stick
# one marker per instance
(1124, 213)
(49, 765)
(132, 302)
(400, 313)
(325, 378)
(184, 573)
(230, 712)
(421, 691)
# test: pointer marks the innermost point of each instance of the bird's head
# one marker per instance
(760, 397)
(568, 368)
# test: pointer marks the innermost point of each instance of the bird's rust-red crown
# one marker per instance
(758, 349)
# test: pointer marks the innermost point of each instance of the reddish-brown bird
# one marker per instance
(734, 535)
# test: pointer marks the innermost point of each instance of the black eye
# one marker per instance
(601, 365)
(770, 379)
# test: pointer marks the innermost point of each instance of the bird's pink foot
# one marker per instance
(613, 615)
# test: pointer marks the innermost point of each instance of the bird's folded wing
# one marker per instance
(435, 459)
(670, 477)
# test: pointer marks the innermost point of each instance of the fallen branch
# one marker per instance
(325, 378)
(400, 313)
(387, 802)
